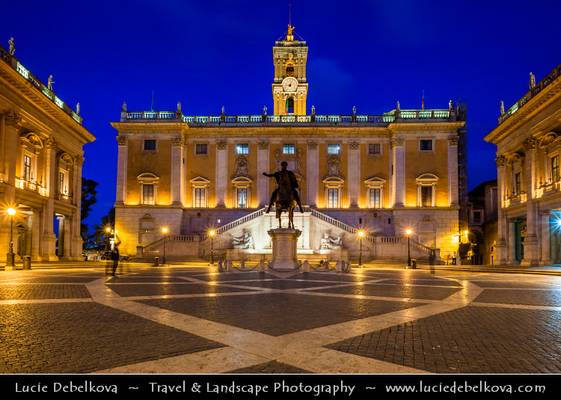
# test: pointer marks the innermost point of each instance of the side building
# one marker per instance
(528, 140)
(482, 213)
(384, 173)
(41, 157)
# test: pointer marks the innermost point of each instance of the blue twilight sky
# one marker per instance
(212, 53)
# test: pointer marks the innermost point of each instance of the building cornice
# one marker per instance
(527, 110)
(52, 106)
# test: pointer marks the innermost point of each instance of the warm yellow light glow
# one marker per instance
(165, 230)
(455, 239)
(108, 230)
(361, 233)
(11, 211)
(212, 232)
(408, 231)
(466, 232)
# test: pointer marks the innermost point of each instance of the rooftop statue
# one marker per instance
(502, 107)
(12, 46)
(50, 82)
(532, 80)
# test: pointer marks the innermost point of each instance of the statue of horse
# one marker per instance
(286, 202)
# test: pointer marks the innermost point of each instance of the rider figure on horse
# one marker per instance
(283, 177)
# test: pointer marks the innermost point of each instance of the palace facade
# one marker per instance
(528, 140)
(41, 141)
(384, 173)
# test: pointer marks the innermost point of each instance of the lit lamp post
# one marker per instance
(11, 257)
(165, 231)
(408, 233)
(211, 235)
(361, 233)
(108, 232)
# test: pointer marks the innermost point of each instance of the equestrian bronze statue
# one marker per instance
(285, 196)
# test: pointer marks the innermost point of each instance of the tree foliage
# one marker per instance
(89, 198)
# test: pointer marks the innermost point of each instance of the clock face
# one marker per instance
(290, 84)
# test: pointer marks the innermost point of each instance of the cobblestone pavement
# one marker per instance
(192, 319)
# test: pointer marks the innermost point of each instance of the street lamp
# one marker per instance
(361, 233)
(211, 235)
(11, 257)
(165, 231)
(108, 240)
(408, 233)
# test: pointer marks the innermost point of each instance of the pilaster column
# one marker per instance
(262, 166)
(545, 250)
(531, 256)
(353, 162)
(76, 251)
(312, 174)
(12, 125)
(122, 159)
(176, 181)
(453, 170)
(2, 147)
(221, 172)
(501, 218)
(511, 243)
(398, 176)
(48, 247)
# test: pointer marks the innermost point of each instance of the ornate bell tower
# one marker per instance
(290, 87)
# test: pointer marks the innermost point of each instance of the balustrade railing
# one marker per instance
(203, 120)
(541, 85)
(239, 221)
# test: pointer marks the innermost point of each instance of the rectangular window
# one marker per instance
(332, 198)
(201, 149)
(242, 148)
(334, 149)
(149, 145)
(148, 194)
(426, 196)
(242, 197)
(477, 217)
(425, 145)
(200, 197)
(26, 167)
(374, 149)
(555, 168)
(517, 183)
(288, 149)
(375, 198)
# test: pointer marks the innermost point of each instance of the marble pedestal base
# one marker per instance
(284, 249)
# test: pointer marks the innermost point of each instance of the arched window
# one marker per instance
(242, 186)
(148, 185)
(290, 69)
(375, 192)
(333, 186)
(200, 192)
(426, 190)
(290, 105)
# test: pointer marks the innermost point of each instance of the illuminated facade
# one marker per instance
(41, 142)
(528, 140)
(403, 168)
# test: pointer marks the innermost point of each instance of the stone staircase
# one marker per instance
(375, 247)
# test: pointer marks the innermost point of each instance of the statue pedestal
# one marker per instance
(284, 249)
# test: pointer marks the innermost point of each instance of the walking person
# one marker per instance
(115, 257)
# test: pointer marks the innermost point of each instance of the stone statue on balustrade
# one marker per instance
(328, 242)
(50, 82)
(244, 241)
(11, 46)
